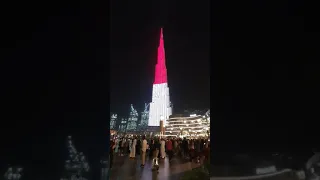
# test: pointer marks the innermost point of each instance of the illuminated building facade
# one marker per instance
(133, 119)
(188, 126)
(144, 118)
(113, 121)
(123, 125)
(160, 107)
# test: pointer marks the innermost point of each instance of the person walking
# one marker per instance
(162, 149)
(155, 153)
(133, 148)
(143, 151)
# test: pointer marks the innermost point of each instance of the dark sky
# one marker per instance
(54, 79)
(135, 29)
(264, 85)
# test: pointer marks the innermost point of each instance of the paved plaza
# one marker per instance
(129, 169)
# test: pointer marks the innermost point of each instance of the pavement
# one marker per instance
(275, 176)
(243, 167)
(129, 169)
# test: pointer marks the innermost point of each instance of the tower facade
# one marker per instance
(113, 121)
(160, 107)
(145, 115)
(123, 125)
(133, 119)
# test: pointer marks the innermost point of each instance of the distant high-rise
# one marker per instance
(160, 107)
(113, 121)
(123, 125)
(133, 119)
(144, 117)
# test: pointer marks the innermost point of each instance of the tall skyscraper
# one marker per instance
(133, 119)
(160, 107)
(144, 118)
(123, 125)
(113, 121)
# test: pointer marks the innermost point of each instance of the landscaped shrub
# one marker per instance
(201, 172)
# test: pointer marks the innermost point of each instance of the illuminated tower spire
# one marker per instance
(160, 108)
(161, 70)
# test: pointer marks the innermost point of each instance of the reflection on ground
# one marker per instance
(128, 169)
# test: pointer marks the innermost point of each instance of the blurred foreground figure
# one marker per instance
(13, 173)
(76, 166)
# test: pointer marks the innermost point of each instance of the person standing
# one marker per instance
(112, 147)
(185, 148)
(143, 151)
(198, 150)
(151, 148)
(117, 146)
(169, 149)
(191, 149)
(126, 147)
(120, 147)
(175, 146)
(162, 149)
(130, 145)
(138, 146)
(133, 148)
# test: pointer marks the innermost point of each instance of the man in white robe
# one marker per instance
(162, 149)
(133, 148)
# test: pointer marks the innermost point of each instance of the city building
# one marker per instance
(133, 119)
(113, 121)
(190, 125)
(160, 107)
(144, 118)
(123, 125)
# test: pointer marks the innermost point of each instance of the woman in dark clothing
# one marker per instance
(158, 146)
(151, 148)
(202, 144)
(138, 146)
(185, 148)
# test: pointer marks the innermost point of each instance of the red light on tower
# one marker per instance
(160, 105)
(161, 70)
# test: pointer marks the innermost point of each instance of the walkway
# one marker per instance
(128, 169)
(281, 175)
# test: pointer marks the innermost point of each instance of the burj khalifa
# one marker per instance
(160, 107)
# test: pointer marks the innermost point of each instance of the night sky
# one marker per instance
(54, 83)
(264, 86)
(135, 33)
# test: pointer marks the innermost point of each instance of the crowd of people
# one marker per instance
(195, 150)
